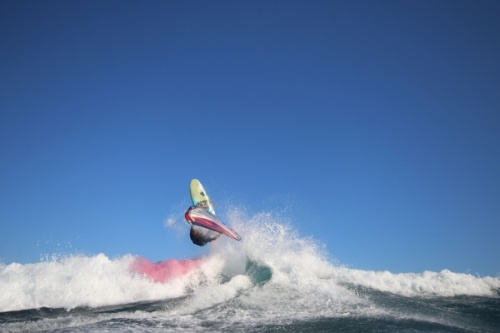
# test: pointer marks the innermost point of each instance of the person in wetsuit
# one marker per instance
(197, 236)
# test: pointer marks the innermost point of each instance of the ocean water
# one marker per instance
(274, 280)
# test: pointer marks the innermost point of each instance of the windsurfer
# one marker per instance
(197, 237)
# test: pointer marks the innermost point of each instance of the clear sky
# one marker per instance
(372, 126)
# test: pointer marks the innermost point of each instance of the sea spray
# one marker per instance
(77, 281)
(273, 279)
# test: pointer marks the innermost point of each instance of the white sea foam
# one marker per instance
(444, 283)
(303, 280)
(78, 281)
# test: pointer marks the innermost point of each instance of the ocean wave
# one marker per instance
(272, 262)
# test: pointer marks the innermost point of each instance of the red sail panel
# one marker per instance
(200, 217)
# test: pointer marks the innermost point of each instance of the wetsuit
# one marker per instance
(201, 239)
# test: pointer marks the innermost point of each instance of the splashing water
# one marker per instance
(273, 277)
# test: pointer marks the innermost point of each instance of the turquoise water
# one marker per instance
(272, 281)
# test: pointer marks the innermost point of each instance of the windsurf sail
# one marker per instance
(202, 218)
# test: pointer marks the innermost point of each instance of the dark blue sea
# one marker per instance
(271, 281)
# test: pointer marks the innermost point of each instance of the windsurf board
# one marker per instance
(199, 196)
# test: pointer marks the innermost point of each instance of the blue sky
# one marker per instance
(374, 124)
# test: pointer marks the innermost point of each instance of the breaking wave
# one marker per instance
(272, 276)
